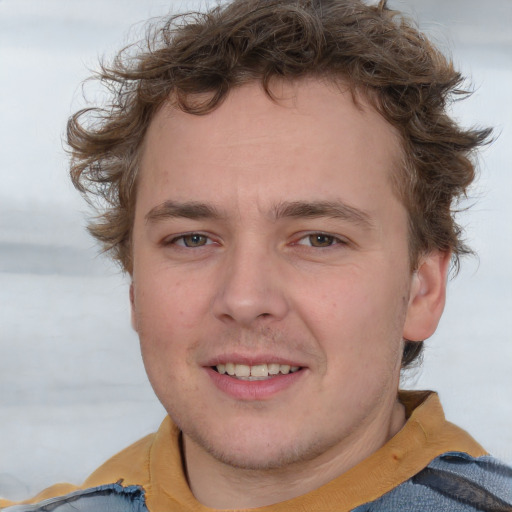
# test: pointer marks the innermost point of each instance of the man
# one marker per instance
(279, 179)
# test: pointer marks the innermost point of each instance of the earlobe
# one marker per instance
(427, 296)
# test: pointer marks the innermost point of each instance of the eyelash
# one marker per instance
(331, 240)
(182, 238)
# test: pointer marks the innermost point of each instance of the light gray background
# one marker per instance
(72, 387)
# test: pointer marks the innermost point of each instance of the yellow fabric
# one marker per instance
(155, 464)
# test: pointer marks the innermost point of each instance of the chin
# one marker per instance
(256, 452)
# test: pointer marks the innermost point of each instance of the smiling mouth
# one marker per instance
(255, 372)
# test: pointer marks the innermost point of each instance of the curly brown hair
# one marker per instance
(378, 52)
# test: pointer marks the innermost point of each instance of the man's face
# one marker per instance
(268, 238)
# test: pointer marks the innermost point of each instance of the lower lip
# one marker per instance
(255, 389)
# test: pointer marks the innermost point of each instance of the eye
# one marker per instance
(320, 240)
(191, 240)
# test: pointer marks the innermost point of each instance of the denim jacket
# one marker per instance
(453, 482)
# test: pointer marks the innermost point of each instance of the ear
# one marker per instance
(132, 305)
(427, 296)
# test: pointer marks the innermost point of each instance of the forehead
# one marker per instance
(313, 143)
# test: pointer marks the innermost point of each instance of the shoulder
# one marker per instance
(113, 497)
(454, 482)
(119, 480)
(131, 465)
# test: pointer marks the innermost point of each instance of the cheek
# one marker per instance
(168, 311)
(356, 316)
(165, 329)
(166, 304)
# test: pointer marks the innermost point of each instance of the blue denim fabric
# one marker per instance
(453, 482)
(105, 498)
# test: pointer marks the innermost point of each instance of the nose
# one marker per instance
(250, 289)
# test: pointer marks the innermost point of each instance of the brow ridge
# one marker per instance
(287, 209)
(189, 210)
(315, 209)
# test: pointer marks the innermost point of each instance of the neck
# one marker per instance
(220, 486)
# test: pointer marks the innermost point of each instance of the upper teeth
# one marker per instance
(257, 370)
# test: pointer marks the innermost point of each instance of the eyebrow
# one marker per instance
(287, 209)
(188, 210)
(329, 209)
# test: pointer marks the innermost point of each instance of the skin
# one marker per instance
(251, 276)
